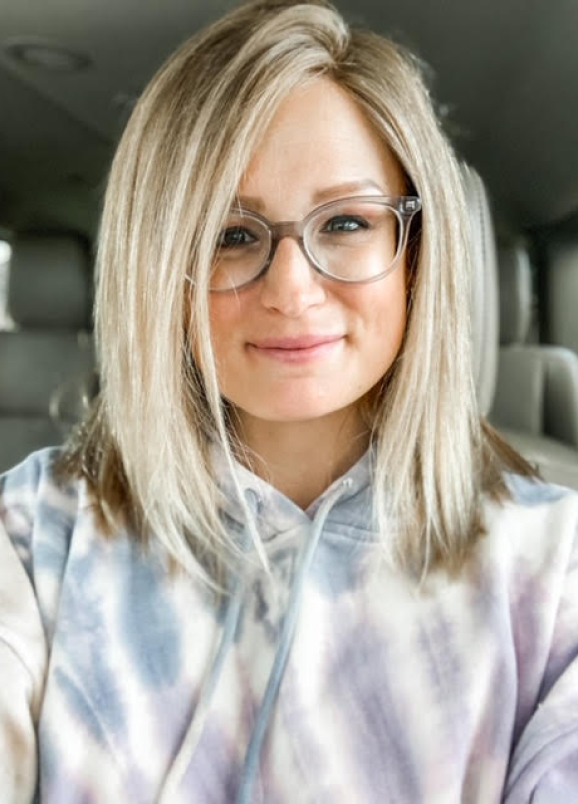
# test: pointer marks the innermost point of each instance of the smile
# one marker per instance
(297, 350)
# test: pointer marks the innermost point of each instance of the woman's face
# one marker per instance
(319, 147)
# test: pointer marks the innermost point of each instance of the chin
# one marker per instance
(287, 411)
(289, 415)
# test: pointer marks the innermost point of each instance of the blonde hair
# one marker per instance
(145, 448)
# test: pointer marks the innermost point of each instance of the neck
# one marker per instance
(301, 459)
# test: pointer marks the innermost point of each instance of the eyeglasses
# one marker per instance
(355, 240)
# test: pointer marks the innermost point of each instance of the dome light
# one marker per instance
(46, 55)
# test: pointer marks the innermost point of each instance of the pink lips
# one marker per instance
(298, 349)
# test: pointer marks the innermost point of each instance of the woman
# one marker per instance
(284, 560)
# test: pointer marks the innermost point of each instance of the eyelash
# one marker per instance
(360, 223)
(238, 230)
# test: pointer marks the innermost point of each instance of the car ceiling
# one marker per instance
(503, 75)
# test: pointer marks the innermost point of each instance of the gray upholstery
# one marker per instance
(515, 295)
(50, 283)
(536, 398)
(557, 462)
(562, 294)
(484, 289)
(39, 362)
(537, 392)
(18, 438)
(48, 360)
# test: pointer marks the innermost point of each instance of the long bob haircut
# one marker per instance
(145, 448)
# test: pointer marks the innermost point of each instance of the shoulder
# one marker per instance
(535, 504)
(35, 503)
(31, 474)
(533, 534)
(35, 487)
(530, 492)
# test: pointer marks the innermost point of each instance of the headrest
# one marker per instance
(515, 294)
(50, 283)
(484, 289)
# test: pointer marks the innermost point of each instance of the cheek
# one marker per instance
(224, 314)
(382, 311)
(391, 316)
(225, 321)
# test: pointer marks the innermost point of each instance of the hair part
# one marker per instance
(145, 449)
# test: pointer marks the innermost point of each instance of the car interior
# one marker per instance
(502, 76)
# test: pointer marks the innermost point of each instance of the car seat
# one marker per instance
(536, 396)
(48, 358)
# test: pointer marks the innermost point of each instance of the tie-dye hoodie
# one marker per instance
(346, 686)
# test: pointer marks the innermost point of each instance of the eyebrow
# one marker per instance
(344, 189)
(335, 191)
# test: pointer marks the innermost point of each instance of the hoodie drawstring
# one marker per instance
(285, 641)
(195, 729)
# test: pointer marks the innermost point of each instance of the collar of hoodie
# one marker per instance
(276, 515)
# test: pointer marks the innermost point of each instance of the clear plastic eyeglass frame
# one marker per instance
(404, 208)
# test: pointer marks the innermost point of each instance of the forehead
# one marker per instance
(319, 137)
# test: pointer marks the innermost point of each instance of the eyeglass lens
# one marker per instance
(352, 241)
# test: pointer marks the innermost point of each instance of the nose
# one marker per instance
(291, 286)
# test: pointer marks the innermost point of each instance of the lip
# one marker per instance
(298, 342)
(301, 349)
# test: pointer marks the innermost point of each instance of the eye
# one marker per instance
(235, 236)
(345, 223)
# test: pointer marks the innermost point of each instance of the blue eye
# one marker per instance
(234, 237)
(345, 223)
